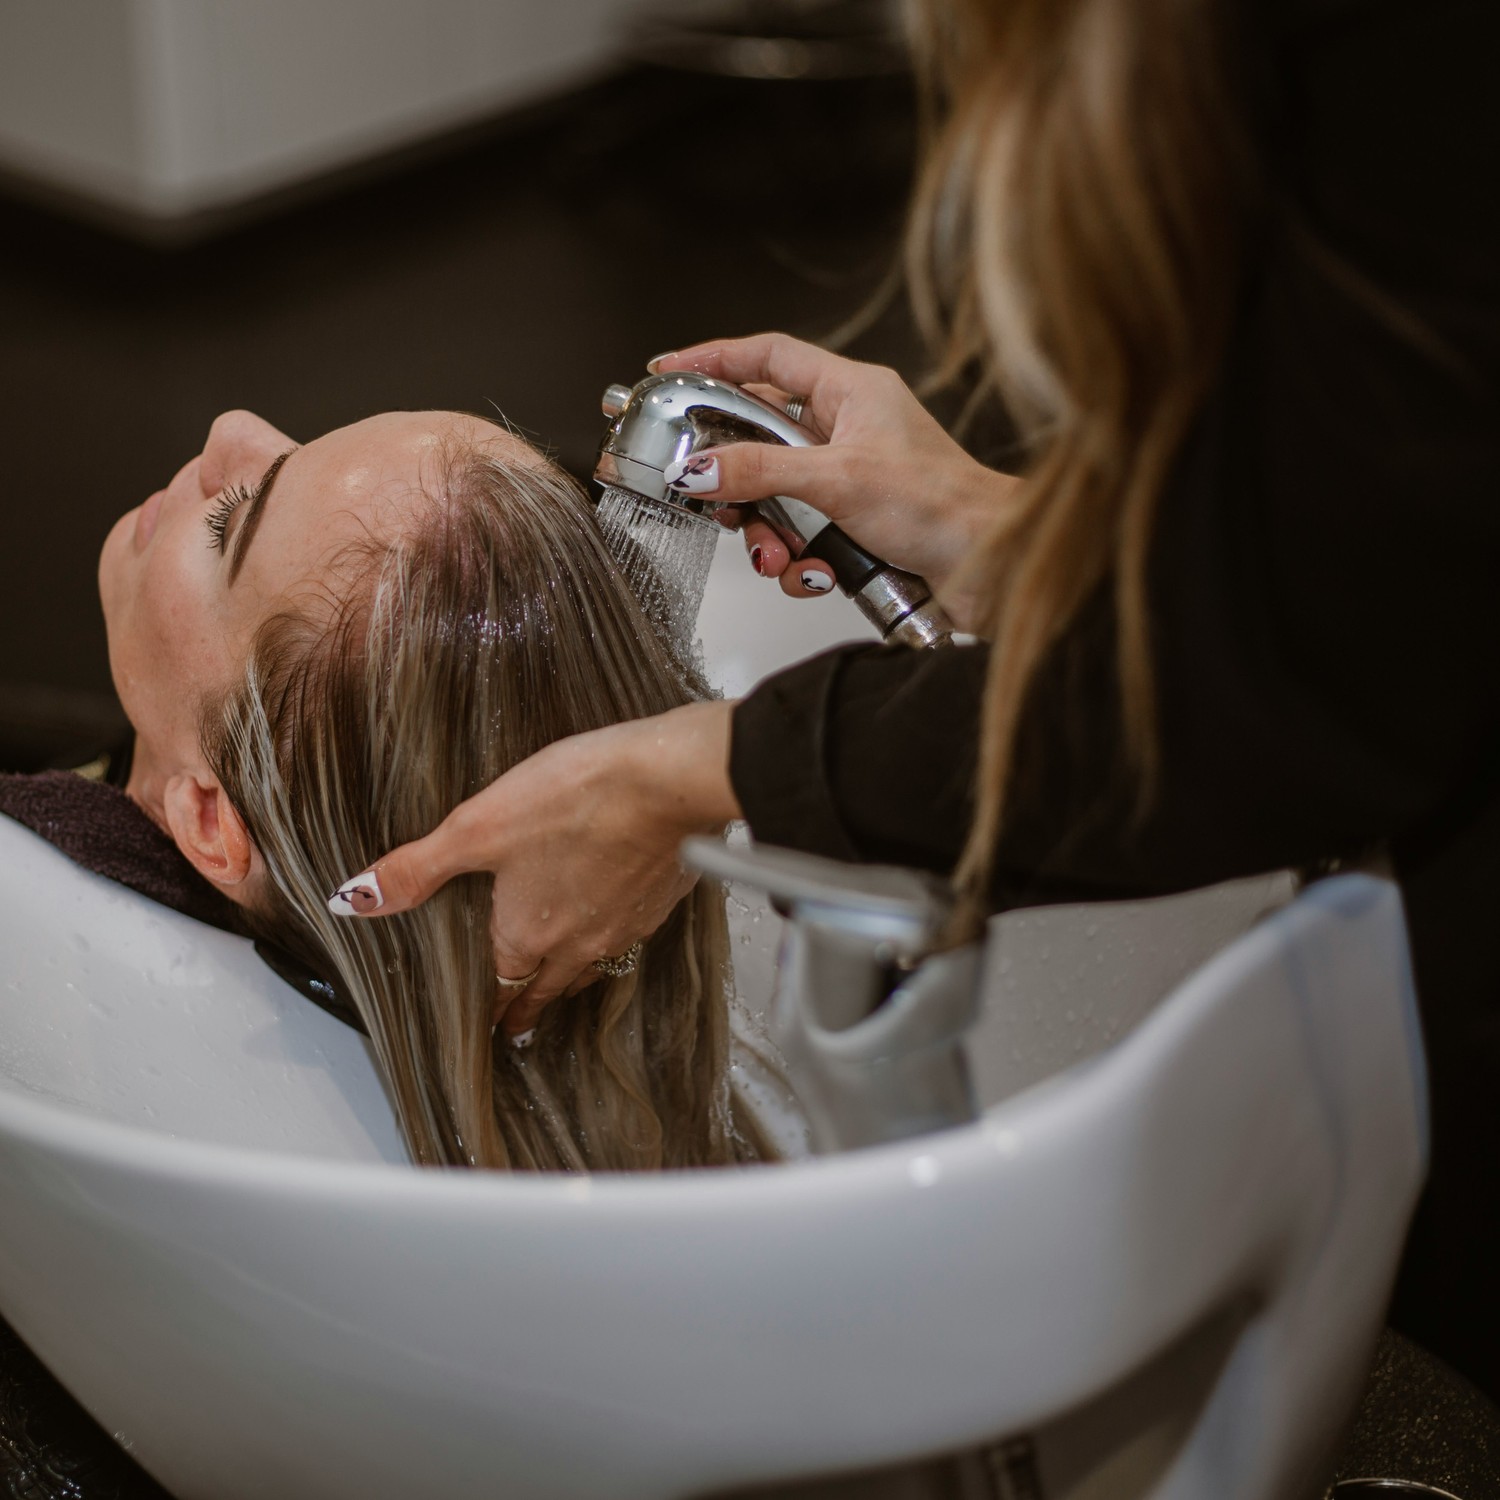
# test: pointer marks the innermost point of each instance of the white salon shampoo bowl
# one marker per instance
(1155, 1266)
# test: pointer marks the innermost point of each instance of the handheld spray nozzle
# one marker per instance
(666, 418)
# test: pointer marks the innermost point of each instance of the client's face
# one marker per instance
(252, 525)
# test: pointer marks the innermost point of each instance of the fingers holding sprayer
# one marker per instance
(774, 359)
(771, 558)
(742, 472)
(772, 395)
(807, 580)
(768, 553)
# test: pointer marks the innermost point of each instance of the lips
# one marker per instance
(145, 520)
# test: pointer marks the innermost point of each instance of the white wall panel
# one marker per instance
(169, 107)
(69, 94)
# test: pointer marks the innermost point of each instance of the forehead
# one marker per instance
(365, 482)
(394, 454)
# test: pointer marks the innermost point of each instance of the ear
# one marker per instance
(209, 832)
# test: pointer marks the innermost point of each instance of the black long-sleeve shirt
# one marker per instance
(1325, 586)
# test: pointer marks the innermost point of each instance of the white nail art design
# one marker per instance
(694, 475)
(522, 1039)
(818, 582)
(357, 897)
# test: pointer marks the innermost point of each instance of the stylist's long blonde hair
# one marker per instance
(1076, 236)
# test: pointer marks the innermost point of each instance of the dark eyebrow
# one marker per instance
(254, 509)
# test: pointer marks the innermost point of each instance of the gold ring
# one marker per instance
(618, 968)
(515, 986)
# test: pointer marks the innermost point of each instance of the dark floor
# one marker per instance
(525, 270)
(1419, 1423)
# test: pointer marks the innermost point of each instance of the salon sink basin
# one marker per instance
(212, 1237)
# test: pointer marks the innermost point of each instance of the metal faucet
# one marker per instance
(666, 418)
(869, 1020)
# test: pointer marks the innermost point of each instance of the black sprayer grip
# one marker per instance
(852, 566)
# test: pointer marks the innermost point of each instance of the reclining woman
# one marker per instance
(322, 650)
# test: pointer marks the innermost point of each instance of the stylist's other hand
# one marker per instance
(582, 839)
(888, 473)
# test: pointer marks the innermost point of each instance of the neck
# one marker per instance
(146, 784)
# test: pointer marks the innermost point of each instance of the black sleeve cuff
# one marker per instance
(864, 753)
(778, 759)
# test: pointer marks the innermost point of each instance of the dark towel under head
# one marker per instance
(100, 828)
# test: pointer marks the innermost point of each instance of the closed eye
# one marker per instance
(217, 519)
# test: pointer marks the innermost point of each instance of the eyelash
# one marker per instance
(217, 520)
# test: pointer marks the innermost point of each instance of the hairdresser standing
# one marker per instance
(1234, 267)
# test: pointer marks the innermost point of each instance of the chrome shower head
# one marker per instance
(664, 419)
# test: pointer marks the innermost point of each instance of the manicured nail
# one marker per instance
(816, 582)
(522, 1039)
(756, 560)
(357, 897)
(695, 475)
(651, 364)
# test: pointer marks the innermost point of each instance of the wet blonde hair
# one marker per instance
(1076, 236)
(496, 623)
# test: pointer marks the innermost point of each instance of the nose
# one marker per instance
(239, 448)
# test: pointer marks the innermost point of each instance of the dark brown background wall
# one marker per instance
(527, 268)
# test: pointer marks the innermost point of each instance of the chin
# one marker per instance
(109, 599)
(109, 561)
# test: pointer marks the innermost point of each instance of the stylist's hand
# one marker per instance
(582, 839)
(889, 474)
